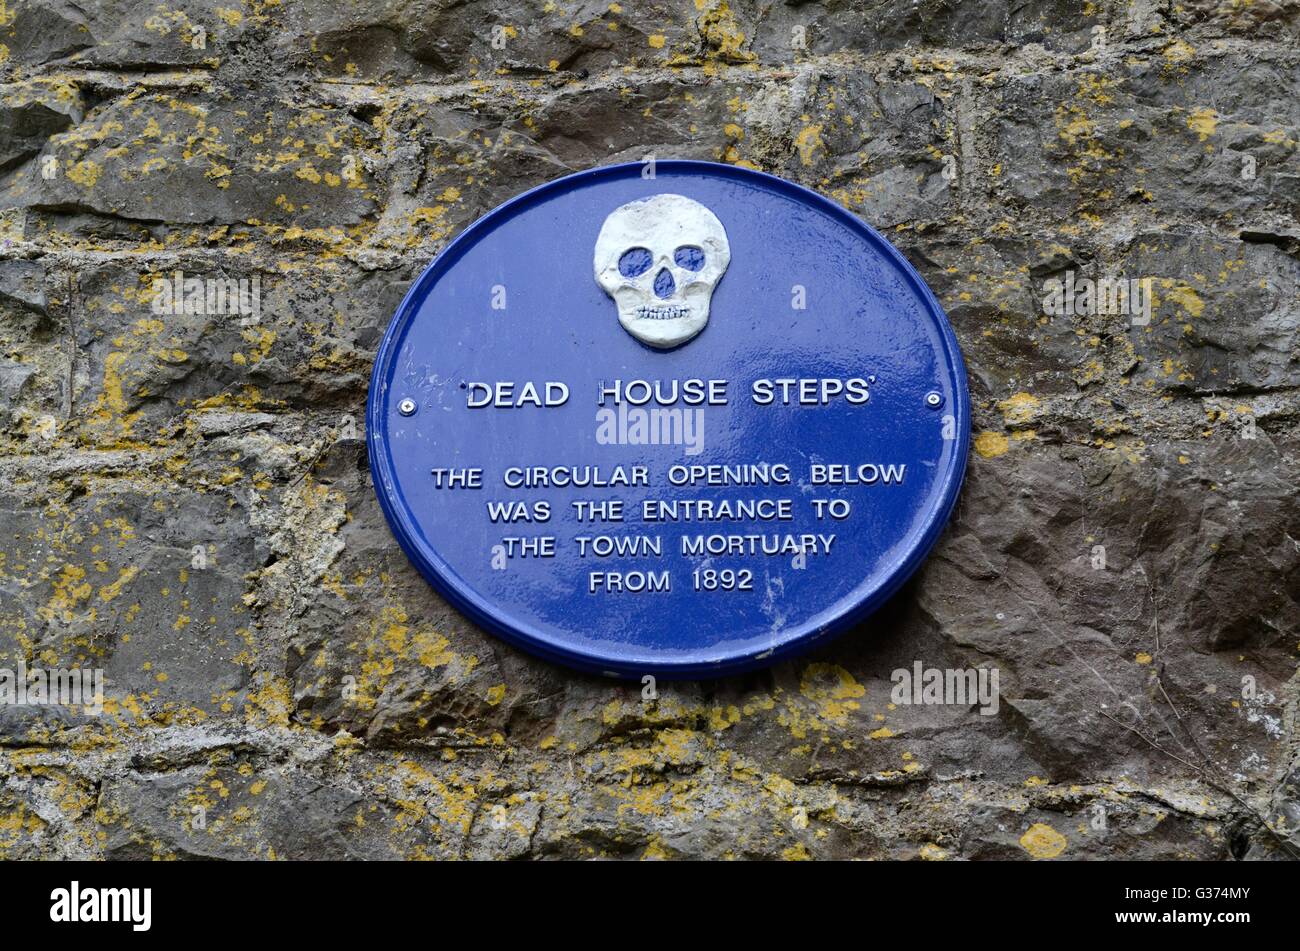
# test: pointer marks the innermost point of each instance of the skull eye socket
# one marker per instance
(635, 262)
(690, 257)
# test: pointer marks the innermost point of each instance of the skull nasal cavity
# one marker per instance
(664, 284)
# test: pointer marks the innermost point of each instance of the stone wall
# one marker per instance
(185, 500)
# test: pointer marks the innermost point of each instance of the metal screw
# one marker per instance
(933, 400)
(407, 407)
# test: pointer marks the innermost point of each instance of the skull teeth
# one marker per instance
(662, 313)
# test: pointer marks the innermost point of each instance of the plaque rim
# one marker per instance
(690, 665)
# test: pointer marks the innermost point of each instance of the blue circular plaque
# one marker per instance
(680, 419)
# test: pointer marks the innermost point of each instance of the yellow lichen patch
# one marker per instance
(269, 705)
(1043, 842)
(421, 793)
(14, 824)
(1203, 122)
(722, 32)
(393, 642)
(1186, 298)
(70, 589)
(1078, 129)
(262, 339)
(654, 851)
(833, 693)
(990, 444)
(808, 141)
(110, 591)
(109, 412)
(84, 173)
(1074, 127)
(1143, 658)
(720, 719)
(1019, 409)
(656, 41)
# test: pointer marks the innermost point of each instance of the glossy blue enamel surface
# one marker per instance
(868, 315)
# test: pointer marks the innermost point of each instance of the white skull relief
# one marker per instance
(660, 258)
